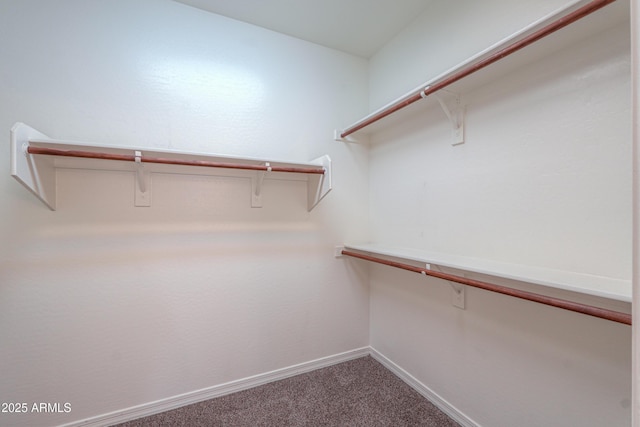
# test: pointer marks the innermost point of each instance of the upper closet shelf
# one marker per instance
(35, 158)
(604, 287)
(474, 72)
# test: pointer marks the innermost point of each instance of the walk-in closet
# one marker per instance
(426, 203)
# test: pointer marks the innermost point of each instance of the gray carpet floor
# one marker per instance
(359, 392)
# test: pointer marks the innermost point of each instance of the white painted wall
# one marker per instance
(543, 179)
(107, 306)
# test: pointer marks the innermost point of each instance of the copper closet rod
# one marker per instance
(508, 50)
(147, 159)
(530, 296)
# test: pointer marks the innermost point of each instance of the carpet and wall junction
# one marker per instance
(358, 392)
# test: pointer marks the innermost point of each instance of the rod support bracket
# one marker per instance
(319, 185)
(458, 290)
(458, 295)
(337, 136)
(256, 186)
(143, 183)
(451, 104)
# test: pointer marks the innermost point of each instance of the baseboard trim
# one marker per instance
(425, 391)
(178, 401)
(170, 403)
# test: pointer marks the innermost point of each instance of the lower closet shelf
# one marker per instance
(611, 289)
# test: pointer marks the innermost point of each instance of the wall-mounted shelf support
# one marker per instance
(36, 173)
(318, 186)
(256, 186)
(35, 158)
(339, 138)
(451, 104)
(457, 290)
(143, 183)
(458, 296)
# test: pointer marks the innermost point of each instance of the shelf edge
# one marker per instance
(529, 275)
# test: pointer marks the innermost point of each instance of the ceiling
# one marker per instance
(359, 27)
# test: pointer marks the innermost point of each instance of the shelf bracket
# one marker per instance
(256, 186)
(458, 296)
(142, 184)
(349, 138)
(318, 186)
(451, 104)
(36, 173)
(458, 290)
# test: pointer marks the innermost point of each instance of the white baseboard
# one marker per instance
(425, 391)
(174, 402)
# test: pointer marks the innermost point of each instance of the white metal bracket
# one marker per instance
(36, 173)
(338, 251)
(142, 184)
(458, 291)
(451, 104)
(348, 138)
(458, 295)
(140, 172)
(256, 186)
(318, 186)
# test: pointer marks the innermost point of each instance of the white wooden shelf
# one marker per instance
(451, 99)
(599, 286)
(37, 172)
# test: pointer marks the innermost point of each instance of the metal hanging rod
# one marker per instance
(472, 68)
(146, 159)
(602, 313)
